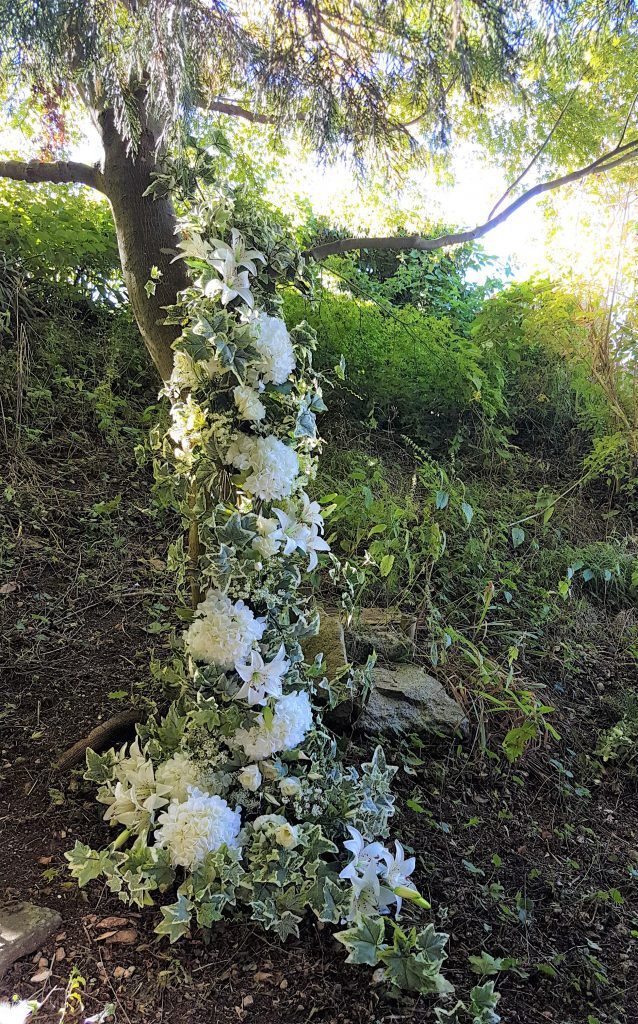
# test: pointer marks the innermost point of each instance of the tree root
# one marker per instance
(119, 728)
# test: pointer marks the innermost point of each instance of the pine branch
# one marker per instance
(58, 172)
(616, 157)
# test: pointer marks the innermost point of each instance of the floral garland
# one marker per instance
(237, 795)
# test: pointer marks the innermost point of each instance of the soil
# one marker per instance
(535, 862)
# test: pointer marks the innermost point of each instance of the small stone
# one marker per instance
(404, 699)
(283, 984)
(24, 927)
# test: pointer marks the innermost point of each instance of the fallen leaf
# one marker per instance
(8, 588)
(112, 922)
(41, 976)
(59, 954)
(262, 976)
(125, 935)
(107, 935)
(44, 860)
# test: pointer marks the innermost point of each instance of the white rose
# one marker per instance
(287, 836)
(290, 786)
(250, 777)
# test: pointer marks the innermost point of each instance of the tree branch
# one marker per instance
(235, 110)
(539, 152)
(58, 172)
(401, 243)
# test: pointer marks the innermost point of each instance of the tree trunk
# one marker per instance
(146, 236)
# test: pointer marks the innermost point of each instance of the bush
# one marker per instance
(405, 368)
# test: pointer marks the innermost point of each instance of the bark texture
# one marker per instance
(146, 236)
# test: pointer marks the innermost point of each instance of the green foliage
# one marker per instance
(436, 283)
(404, 368)
(534, 339)
(64, 235)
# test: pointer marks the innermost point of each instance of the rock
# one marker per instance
(24, 927)
(388, 631)
(329, 641)
(404, 699)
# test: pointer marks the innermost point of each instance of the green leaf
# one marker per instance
(441, 500)
(385, 567)
(364, 941)
(486, 964)
(467, 511)
(518, 536)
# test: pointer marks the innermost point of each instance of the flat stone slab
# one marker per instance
(405, 698)
(24, 927)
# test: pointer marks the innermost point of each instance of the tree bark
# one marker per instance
(146, 229)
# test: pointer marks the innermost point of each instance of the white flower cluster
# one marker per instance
(378, 879)
(292, 530)
(222, 632)
(198, 825)
(141, 790)
(187, 373)
(276, 354)
(292, 719)
(273, 465)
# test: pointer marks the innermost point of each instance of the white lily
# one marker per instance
(364, 853)
(395, 876)
(262, 679)
(236, 251)
(310, 512)
(314, 544)
(234, 283)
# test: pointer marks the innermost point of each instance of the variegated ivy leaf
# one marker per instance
(176, 919)
(236, 531)
(99, 767)
(408, 968)
(170, 729)
(212, 910)
(287, 925)
(364, 941)
(86, 864)
(432, 943)
(335, 902)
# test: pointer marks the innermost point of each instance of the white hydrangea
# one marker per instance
(177, 774)
(248, 404)
(292, 719)
(276, 355)
(274, 465)
(191, 828)
(222, 633)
